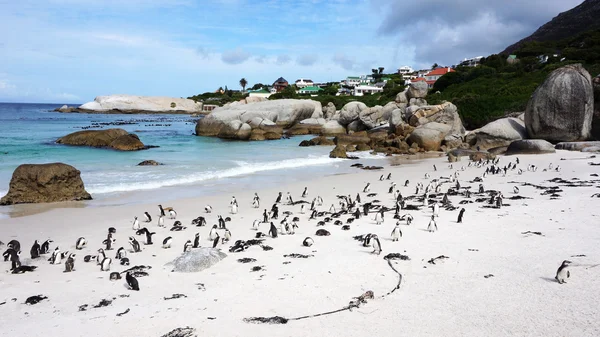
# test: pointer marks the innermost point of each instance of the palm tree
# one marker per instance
(243, 83)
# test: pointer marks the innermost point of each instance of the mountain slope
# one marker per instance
(570, 23)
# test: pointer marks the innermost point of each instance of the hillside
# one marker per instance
(568, 24)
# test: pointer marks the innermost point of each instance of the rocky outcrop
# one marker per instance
(329, 111)
(530, 146)
(350, 112)
(140, 104)
(39, 183)
(576, 146)
(332, 128)
(498, 133)
(596, 117)
(338, 152)
(283, 113)
(401, 97)
(317, 141)
(66, 108)
(117, 139)
(150, 163)
(429, 137)
(561, 109)
(417, 90)
(352, 139)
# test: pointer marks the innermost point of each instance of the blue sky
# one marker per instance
(69, 51)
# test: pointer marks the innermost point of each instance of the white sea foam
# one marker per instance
(242, 168)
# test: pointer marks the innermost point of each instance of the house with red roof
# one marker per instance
(433, 76)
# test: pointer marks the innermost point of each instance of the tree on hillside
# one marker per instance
(243, 83)
(435, 66)
(377, 74)
(257, 86)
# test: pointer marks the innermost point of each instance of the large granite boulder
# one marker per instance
(530, 146)
(235, 129)
(596, 118)
(117, 139)
(561, 109)
(332, 128)
(196, 260)
(66, 108)
(350, 112)
(401, 97)
(37, 183)
(141, 104)
(445, 113)
(373, 117)
(417, 90)
(329, 110)
(352, 139)
(429, 137)
(576, 146)
(498, 133)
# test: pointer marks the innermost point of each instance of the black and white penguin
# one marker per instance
(124, 261)
(109, 241)
(132, 282)
(289, 199)
(121, 253)
(227, 235)
(35, 250)
(376, 244)
(13, 256)
(396, 233)
(305, 192)
(389, 176)
(516, 190)
(319, 201)
(460, 215)
(434, 168)
(216, 241)
(408, 218)
(45, 248)
(167, 242)
(427, 176)
(208, 209)
(172, 214)
(136, 224)
(187, 246)
(379, 217)
(161, 221)
(196, 241)
(367, 188)
(381, 177)
(115, 276)
(436, 209)
(56, 257)
(88, 258)
(234, 208)
(100, 257)
(147, 233)
(70, 263)
(14, 244)
(273, 231)
(147, 217)
(308, 241)
(213, 233)
(221, 222)
(563, 272)
(162, 210)
(432, 224)
(80, 243)
(256, 201)
(135, 245)
(279, 196)
(105, 264)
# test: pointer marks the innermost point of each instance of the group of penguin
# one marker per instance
(346, 206)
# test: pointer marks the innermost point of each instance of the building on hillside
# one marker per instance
(280, 84)
(301, 83)
(351, 81)
(405, 70)
(472, 62)
(312, 90)
(431, 77)
(262, 92)
(361, 90)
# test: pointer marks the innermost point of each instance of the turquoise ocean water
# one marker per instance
(194, 166)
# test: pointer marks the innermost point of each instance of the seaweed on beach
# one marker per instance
(138, 271)
(266, 248)
(298, 256)
(123, 313)
(103, 303)
(396, 256)
(246, 260)
(175, 296)
(181, 332)
(254, 242)
(534, 233)
(256, 268)
(441, 257)
(518, 197)
(267, 320)
(83, 307)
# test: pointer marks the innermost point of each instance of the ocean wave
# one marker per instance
(242, 168)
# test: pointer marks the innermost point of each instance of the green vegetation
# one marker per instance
(497, 87)
(243, 84)
(173, 105)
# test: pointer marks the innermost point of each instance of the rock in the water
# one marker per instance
(530, 146)
(196, 260)
(141, 104)
(498, 133)
(333, 128)
(350, 112)
(417, 90)
(338, 152)
(149, 163)
(429, 137)
(117, 139)
(65, 108)
(561, 109)
(576, 146)
(37, 183)
(235, 129)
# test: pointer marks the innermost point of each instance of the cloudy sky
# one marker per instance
(69, 51)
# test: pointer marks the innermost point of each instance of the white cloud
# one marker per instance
(307, 59)
(235, 56)
(283, 59)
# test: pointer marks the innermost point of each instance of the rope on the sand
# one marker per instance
(353, 304)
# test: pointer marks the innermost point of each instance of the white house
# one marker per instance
(366, 89)
(263, 93)
(351, 81)
(303, 82)
(472, 62)
(405, 70)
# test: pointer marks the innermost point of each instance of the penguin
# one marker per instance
(308, 241)
(45, 247)
(305, 192)
(196, 243)
(381, 177)
(208, 209)
(563, 272)
(135, 245)
(432, 224)
(367, 240)
(187, 246)
(115, 276)
(216, 241)
(256, 224)
(136, 224)
(81, 243)
(273, 231)
(227, 235)
(147, 217)
(132, 282)
(13, 255)
(460, 215)
(121, 253)
(56, 256)
(367, 188)
(108, 242)
(255, 203)
(389, 176)
(434, 168)
(100, 257)
(303, 209)
(213, 233)
(14, 244)
(379, 217)
(145, 231)
(161, 221)
(172, 214)
(516, 190)
(427, 176)
(162, 210)
(265, 216)
(70, 263)
(436, 209)
(167, 242)
(376, 244)
(278, 200)
(124, 261)
(234, 208)
(408, 218)
(289, 199)
(319, 201)
(396, 232)
(35, 250)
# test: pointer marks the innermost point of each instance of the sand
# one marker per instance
(450, 298)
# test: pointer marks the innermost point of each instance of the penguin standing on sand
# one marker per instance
(145, 231)
(308, 241)
(396, 232)
(105, 264)
(376, 244)
(302, 209)
(196, 241)
(187, 246)
(516, 190)
(132, 282)
(305, 192)
(44, 249)
(432, 224)
(216, 241)
(121, 253)
(389, 176)
(80, 244)
(289, 199)
(213, 233)
(379, 217)
(70, 263)
(161, 221)
(408, 218)
(136, 224)
(221, 222)
(172, 214)
(265, 216)
(563, 272)
(227, 235)
(460, 215)
(273, 231)
(147, 217)
(436, 209)
(234, 206)
(108, 242)
(367, 188)
(167, 242)
(256, 201)
(35, 250)
(278, 200)
(135, 245)
(56, 256)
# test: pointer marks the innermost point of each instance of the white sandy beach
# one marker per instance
(450, 298)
